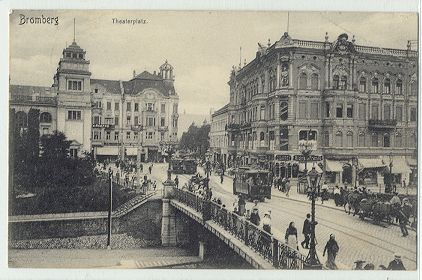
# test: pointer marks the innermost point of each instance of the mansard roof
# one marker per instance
(110, 85)
(27, 90)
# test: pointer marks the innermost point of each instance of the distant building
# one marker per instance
(218, 136)
(110, 118)
(356, 104)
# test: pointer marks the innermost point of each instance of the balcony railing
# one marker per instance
(233, 127)
(372, 123)
(265, 244)
(104, 125)
(136, 127)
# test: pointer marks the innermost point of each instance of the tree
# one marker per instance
(196, 139)
(55, 146)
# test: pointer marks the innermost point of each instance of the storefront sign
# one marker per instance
(301, 158)
(283, 157)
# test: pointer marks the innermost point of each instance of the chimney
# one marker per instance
(134, 73)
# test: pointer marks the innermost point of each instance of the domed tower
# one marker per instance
(166, 71)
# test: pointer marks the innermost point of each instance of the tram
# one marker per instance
(254, 184)
(183, 166)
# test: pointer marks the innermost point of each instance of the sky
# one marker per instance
(201, 46)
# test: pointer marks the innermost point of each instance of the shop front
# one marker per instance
(109, 153)
(371, 173)
(338, 172)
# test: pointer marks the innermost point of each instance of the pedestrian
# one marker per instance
(155, 185)
(324, 191)
(283, 184)
(150, 169)
(291, 236)
(287, 187)
(396, 264)
(221, 177)
(241, 205)
(255, 218)
(133, 181)
(404, 215)
(266, 222)
(141, 166)
(176, 181)
(337, 196)
(247, 214)
(332, 249)
(307, 230)
(395, 205)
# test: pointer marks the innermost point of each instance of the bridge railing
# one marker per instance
(265, 244)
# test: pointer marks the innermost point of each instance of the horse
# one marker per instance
(352, 202)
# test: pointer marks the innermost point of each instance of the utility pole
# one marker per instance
(110, 203)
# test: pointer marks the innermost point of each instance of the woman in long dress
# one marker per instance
(291, 236)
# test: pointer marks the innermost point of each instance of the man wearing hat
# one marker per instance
(255, 219)
(404, 215)
(396, 264)
(266, 222)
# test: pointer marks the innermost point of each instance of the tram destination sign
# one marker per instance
(310, 158)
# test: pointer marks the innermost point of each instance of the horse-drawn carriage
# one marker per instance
(254, 184)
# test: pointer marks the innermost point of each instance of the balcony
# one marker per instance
(163, 128)
(105, 125)
(233, 127)
(382, 124)
(136, 127)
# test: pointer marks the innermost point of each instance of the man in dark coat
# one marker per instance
(255, 219)
(307, 229)
(396, 264)
(404, 215)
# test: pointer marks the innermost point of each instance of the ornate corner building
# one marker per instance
(358, 104)
(110, 118)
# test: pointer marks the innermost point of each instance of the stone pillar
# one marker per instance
(168, 225)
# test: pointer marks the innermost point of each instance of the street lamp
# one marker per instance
(110, 208)
(312, 261)
(391, 173)
(305, 147)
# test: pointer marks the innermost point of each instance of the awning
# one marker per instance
(107, 151)
(333, 166)
(131, 151)
(371, 163)
(309, 166)
(400, 165)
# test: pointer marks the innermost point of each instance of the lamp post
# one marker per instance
(312, 261)
(391, 173)
(110, 203)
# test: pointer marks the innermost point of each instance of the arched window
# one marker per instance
(349, 137)
(361, 139)
(375, 85)
(399, 87)
(314, 81)
(413, 88)
(327, 139)
(262, 136)
(284, 111)
(339, 139)
(387, 86)
(362, 84)
(21, 119)
(336, 82)
(343, 82)
(303, 81)
(45, 117)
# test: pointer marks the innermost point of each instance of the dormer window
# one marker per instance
(81, 56)
(68, 54)
(74, 55)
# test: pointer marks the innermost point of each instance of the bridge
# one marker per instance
(256, 246)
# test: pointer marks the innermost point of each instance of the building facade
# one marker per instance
(218, 136)
(112, 119)
(356, 106)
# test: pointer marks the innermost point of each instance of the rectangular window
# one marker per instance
(374, 139)
(74, 115)
(339, 111)
(129, 106)
(387, 112)
(314, 110)
(262, 113)
(302, 109)
(135, 135)
(150, 121)
(413, 114)
(163, 108)
(108, 135)
(375, 112)
(74, 85)
(116, 106)
(174, 108)
(96, 134)
(128, 120)
(149, 135)
(109, 106)
(150, 107)
(136, 107)
(163, 122)
(116, 120)
(96, 120)
(128, 135)
(45, 131)
(116, 135)
(73, 153)
(162, 136)
(136, 120)
(399, 113)
(362, 111)
(327, 109)
(349, 111)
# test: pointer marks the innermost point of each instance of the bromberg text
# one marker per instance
(38, 20)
